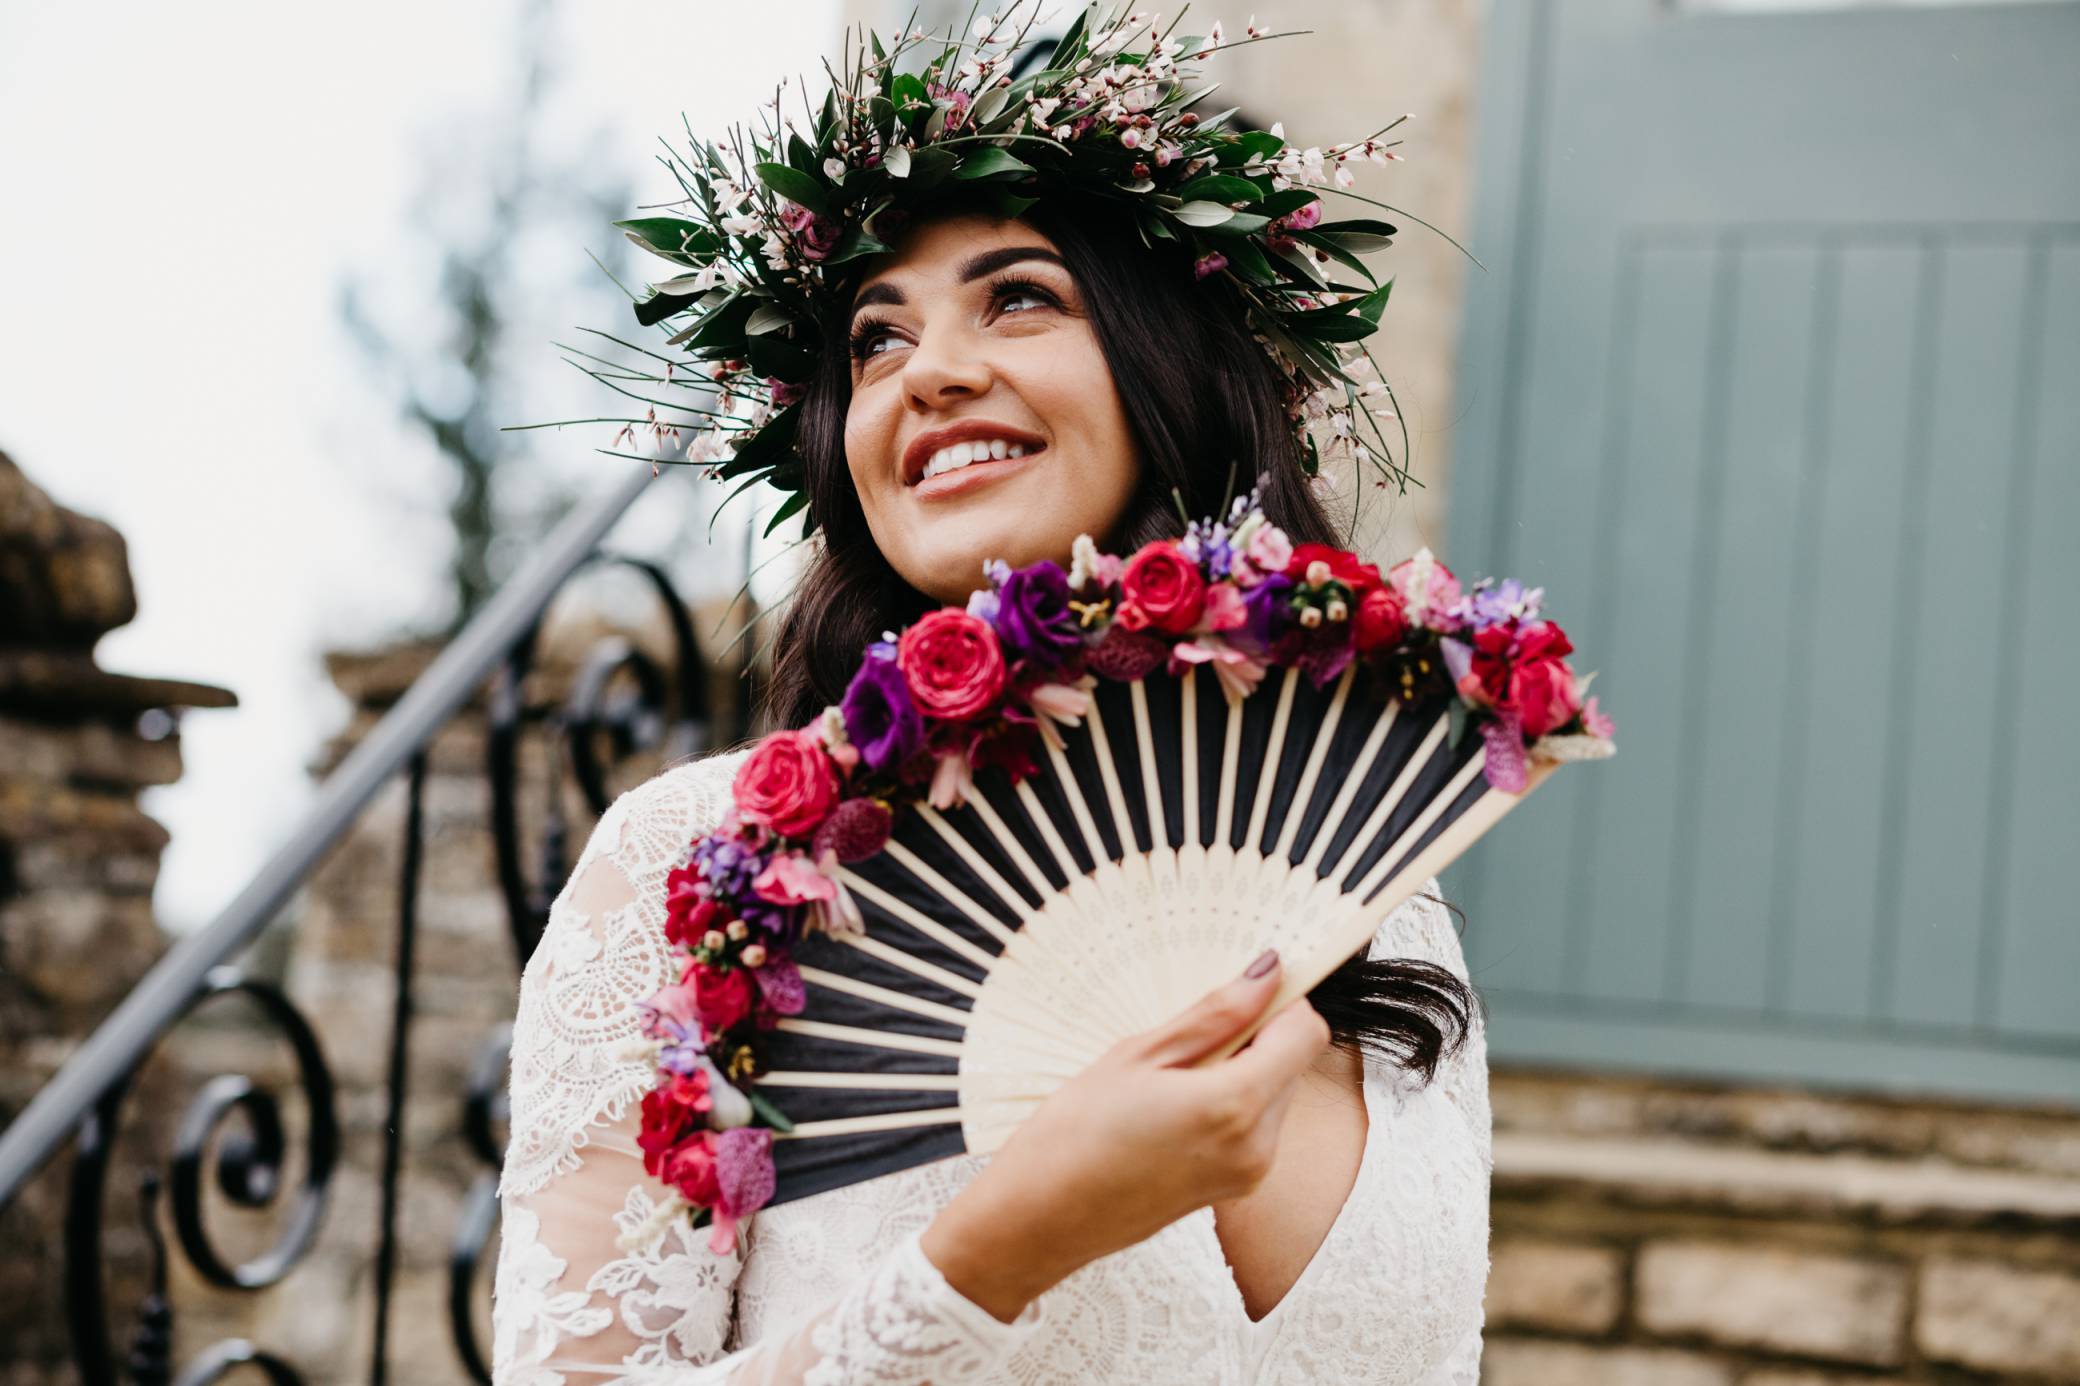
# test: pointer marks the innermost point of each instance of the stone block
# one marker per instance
(1530, 1362)
(2000, 1318)
(1836, 1307)
(1557, 1286)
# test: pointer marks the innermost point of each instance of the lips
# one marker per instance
(925, 446)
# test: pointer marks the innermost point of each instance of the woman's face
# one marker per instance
(984, 422)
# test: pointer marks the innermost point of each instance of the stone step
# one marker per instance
(1674, 1174)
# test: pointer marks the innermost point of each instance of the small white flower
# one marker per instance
(834, 169)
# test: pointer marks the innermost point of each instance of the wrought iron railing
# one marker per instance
(233, 1136)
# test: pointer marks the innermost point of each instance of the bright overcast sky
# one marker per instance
(185, 189)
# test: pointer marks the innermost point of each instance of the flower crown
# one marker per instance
(960, 690)
(771, 218)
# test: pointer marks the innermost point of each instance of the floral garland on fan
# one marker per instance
(962, 690)
(772, 223)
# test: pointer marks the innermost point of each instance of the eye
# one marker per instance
(871, 337)
(1021, 296)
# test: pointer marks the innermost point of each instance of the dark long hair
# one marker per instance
(1208, 411)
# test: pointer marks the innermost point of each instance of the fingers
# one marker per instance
(1225, 1011)
(1280, 1052)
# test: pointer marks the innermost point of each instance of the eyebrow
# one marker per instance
(987, 263)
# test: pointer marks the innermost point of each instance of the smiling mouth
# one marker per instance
(955, 456)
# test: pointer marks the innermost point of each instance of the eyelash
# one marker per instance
(868, 330)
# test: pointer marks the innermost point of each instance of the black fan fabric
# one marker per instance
(812, 1164)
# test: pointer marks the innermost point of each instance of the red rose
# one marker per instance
(1522, 669)
(720, 999)
(1344, 566)
(689, 1167)
(786, 784)
(952, 664)
(1381, 621)
(1164, 588)
(669, 1113)
(687, 913)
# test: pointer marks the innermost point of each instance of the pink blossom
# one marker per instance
(1066, 703)
(1239, 674)
(1212, 262)
(952, 781)
(1595, 722)
(791, 879)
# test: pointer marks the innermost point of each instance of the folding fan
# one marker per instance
(1172, 837)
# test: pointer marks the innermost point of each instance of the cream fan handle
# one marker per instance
(1352, 932)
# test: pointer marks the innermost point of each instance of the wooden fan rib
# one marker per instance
(873, 1039)
(1267, 773)
(1413, 834)
(1072, 790)
(973, 859)
(860, 1082)
(1108, 775)
(916, 966)
(1377, 819)
(1005, 838)
(960, 899)
(1352, 780)
(887, 996)
(1231, 751)
(917, 920)
(879, 1121)
(1304, 791)
(1038, 813)
(1151, 787)
(1189, 710)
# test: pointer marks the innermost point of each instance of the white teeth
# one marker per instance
(958, 455)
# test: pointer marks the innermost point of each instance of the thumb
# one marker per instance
(1222, 1013)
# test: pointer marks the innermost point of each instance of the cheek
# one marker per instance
(869, 445)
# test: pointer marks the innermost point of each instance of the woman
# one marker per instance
(1313, 1208)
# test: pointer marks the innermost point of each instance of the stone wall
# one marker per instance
(1688, 1235)
(78, 860)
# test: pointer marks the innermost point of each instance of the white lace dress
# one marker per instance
(832, 1290)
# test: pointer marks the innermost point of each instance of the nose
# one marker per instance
(944, 367)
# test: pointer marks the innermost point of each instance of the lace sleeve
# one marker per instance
(570, 1304)
(1424, 929)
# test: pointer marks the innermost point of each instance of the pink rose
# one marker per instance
(786, 784)
(1224, 609)
(952, 664)
(1268, 549)
(1161, 588)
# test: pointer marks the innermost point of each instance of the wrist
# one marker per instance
(982, 1247)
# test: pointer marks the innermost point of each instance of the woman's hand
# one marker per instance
(1131, 1144)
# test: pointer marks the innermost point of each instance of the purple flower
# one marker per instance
(728, 865)
(1033, 619)
(1213, 262)
(879, 717)
(1268, 612)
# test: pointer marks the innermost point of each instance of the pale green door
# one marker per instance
(1774, 381)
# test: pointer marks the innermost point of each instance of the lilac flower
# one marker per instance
(1491, 604)
(729, 866)
(880, 718)
(1032, 619)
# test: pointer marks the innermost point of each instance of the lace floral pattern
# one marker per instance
(833, 1291)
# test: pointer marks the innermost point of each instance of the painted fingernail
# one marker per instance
(1266, 960)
